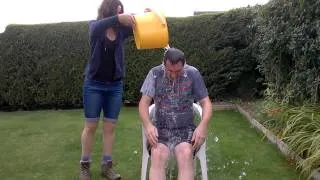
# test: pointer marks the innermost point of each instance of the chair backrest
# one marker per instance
(196, 109)
(152, 112)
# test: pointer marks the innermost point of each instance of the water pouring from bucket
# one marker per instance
(151, 30)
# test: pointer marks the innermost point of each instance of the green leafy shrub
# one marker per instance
(288, 40)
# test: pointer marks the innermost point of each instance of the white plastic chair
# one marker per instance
(201, 154)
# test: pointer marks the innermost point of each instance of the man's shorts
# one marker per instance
(104, 96)
(172, 137)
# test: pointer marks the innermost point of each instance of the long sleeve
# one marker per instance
(97, 27)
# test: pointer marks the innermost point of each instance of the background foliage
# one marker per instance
(288, 39)
(42, 65)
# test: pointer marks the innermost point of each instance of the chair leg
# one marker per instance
(144, 166)
(203, 164)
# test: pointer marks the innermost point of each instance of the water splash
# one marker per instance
(242, 174)
(215, 139)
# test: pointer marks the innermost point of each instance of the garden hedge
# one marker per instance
(42, 65)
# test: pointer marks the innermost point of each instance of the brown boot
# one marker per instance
(85, 173)
(108, 172)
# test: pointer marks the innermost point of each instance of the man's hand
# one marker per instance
(199, 136)
(152, 134)
(126, 19)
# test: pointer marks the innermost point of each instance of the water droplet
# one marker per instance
(216, 139)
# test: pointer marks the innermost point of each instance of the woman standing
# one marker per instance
(103, 85)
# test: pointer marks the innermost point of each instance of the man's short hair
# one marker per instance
(174, 56)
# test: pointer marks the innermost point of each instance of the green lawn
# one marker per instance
(46, 145)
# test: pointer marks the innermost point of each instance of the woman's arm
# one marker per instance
(128, 31)
(98, 27)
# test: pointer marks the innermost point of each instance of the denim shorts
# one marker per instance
(106, 96)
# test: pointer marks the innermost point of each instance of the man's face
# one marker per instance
(173, 71)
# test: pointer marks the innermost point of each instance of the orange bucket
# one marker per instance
(150, 31)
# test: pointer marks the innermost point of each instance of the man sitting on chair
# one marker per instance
(174, 86)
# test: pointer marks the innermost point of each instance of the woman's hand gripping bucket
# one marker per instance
(151, 30)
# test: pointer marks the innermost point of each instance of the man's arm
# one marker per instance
(150, 130)
(144, 104)
(206, 106)
(200, 132)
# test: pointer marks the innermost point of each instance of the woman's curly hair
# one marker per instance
(109, 8)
